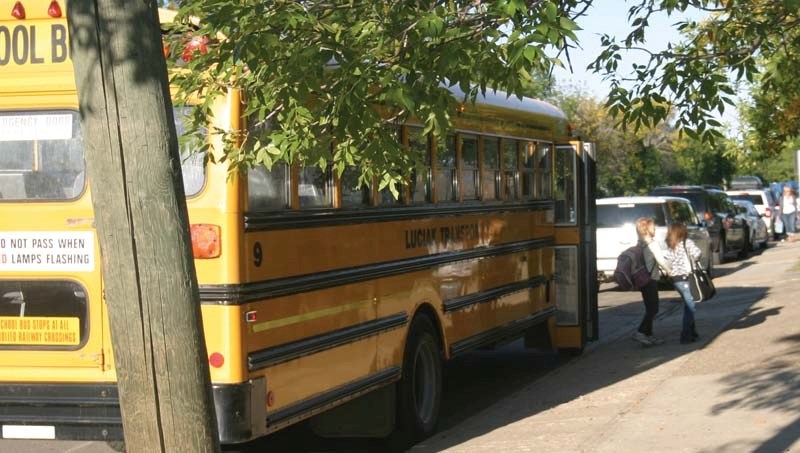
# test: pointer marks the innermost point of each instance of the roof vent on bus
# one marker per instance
(18, 11)
(54, 10)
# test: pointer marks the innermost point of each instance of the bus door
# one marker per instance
(575, 281)
(50, 295)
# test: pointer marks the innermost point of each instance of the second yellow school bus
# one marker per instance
(313, 293)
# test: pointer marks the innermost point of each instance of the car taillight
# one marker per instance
(708, 216)
(205, 240)
(767, 212)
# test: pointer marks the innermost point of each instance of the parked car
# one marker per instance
(616, 227)
(746, 182)
(758, 235)
(716, 209)
(764, 202)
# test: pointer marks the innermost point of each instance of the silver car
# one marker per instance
(616, 227)
(758, 235)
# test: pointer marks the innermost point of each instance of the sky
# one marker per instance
(611, 17)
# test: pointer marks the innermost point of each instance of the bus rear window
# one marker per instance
(47, 314)
(612, 215)
(41, 156)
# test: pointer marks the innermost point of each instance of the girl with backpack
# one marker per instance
(679, 251)
(654, 261)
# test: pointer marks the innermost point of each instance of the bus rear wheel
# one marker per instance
(420, 389)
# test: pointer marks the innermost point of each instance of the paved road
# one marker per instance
(513, 399)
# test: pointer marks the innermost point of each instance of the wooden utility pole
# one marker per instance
(142, 224)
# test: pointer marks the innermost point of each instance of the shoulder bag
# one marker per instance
(700, 283)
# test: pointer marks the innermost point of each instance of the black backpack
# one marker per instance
(631, 273)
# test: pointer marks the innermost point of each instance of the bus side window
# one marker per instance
(470, 183)
(511, 169)
(565, 161)
(529, 191)
(544, 153)
(192, 163)
(385, 195)
(353, 195)
(420, 183)
(314, 188)
(194, 173)
(268, 189)
(446, 171)
(491, 168)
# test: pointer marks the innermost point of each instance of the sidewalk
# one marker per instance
(737, 389)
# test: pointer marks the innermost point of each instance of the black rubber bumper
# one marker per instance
(91, 411)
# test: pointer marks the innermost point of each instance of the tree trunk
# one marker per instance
(134, 169)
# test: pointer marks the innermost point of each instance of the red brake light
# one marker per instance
(18, 11)
(707, 216)
(205, 240)
(767, 212)
(54, 10)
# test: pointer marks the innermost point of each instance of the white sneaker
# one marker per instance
(642, 338)
(655, 340)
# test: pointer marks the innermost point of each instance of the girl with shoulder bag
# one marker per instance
(680, 251)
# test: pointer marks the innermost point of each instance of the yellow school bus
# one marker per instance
(319, 298)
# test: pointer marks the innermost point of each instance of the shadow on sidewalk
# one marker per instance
(490, 379)
(773, 385)
(727, 270)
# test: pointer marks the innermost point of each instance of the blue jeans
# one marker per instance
(788, 223)
(688, 332)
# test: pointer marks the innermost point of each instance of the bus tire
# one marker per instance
(419, 392)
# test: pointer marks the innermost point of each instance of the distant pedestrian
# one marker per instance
(788, 211)
(680, 251)
(654, 261)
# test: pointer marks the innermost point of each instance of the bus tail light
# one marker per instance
(205, 240)
(18, 11)
(54, 10)
(216, 360)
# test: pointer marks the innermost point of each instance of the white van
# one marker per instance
(616, 227)
(762, 199)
